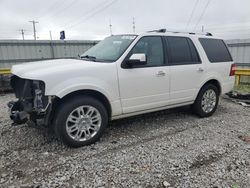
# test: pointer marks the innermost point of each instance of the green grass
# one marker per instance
(242, 89)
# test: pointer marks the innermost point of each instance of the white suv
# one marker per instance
(123, 75)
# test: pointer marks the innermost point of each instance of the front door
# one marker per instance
(144, 87)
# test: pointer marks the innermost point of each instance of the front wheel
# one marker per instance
(207, 100)
(80, 121)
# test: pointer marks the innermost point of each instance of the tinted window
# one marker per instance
(182, 51)
(152, 47)
(216, 50)
(194, 53)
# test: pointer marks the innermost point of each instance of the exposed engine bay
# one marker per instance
(32, 105)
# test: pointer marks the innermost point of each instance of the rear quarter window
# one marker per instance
(216, 50)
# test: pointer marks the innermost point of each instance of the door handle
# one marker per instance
(200, 69)
(160, 73)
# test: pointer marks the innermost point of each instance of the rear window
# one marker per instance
(216, 50)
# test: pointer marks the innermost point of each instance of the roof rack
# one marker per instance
(158, 31)
(191, 33)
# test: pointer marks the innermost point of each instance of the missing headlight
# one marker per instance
(40, 100)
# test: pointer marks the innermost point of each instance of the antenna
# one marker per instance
(110, 26)
(22, 33)
(133, 25)
(50, 34)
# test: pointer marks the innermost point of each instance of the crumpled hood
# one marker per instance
(40, 69)
(64, 76)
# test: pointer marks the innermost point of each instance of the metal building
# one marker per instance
(17, 51)
(240, 50)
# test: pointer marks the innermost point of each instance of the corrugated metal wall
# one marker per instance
(13, 51)
(17, 51)
(240, 50)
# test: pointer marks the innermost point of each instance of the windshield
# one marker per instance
(110, 49)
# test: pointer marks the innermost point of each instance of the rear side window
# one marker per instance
(216, 50)
(182, 51)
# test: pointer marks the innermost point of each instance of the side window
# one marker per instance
(182, 51)
(194, 53)
(153, 48)
(216, 50)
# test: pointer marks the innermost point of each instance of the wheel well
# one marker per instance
(214, 82)
(92, 93)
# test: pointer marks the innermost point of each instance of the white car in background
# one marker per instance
(123, 75)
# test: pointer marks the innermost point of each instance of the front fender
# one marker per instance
(110, 91)
(75, 84)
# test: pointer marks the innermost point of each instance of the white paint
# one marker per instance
(130, 91)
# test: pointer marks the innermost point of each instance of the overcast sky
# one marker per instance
(90, 19)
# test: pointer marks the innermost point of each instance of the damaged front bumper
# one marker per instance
(32, 105)
(17, 115)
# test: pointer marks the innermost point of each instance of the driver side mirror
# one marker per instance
(137, 59)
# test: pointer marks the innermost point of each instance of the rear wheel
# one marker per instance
(207, 100)
(80, 121)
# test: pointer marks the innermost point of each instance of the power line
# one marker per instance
(55, 6)
(7, 34)
(34, 27)
(229, 27)
(230, 31)
(59, 11)
(86, 13)
(192, 13)
(91, 15)
(202, 14)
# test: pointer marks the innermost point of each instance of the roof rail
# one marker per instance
(191, 33)
(158, 31)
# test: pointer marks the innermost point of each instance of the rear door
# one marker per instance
(220, 61)
(186, 69)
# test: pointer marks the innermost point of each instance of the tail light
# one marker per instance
(232, 70)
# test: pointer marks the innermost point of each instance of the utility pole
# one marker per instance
(110, 27)
(133, 25)
(34, 27)
(202, 29)
(50, 34)
(22, 33)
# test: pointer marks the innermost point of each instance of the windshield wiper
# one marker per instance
(93, 58)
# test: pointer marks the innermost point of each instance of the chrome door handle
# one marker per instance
(160, 73)
(200, 69)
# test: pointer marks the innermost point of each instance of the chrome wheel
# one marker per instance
(208, 102)
(83, 123)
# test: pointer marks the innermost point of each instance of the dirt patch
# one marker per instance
(205, 159)
(245, 138)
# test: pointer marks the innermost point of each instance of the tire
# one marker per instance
(199, 107)
(80, 121)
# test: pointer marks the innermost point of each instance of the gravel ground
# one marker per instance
(171, 148)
